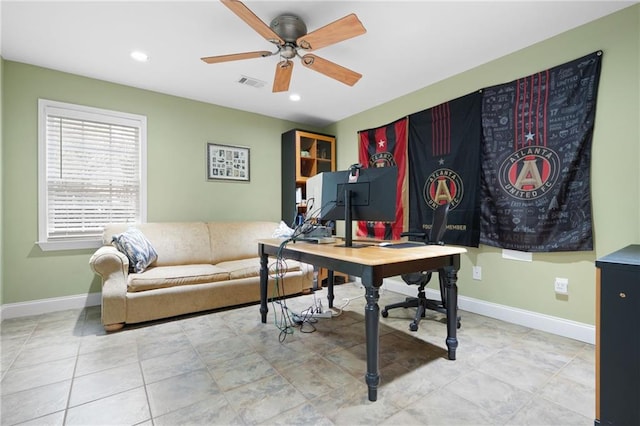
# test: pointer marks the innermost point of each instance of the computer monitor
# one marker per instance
(367, 194)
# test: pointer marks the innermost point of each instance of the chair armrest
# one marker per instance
(417, 234)
(423, 236)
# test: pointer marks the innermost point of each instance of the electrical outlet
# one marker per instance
(562, 285)
(477, 273)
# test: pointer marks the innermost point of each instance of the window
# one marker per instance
(91, 172)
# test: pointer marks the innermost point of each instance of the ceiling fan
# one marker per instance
(289, 33)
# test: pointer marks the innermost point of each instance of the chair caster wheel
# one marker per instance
(413, 326)
(384, 313)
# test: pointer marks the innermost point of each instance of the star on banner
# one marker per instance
(382, 143)
(529, 136)
(441, 161)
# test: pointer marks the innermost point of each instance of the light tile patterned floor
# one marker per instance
(228, 368)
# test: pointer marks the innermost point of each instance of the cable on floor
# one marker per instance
(288, 319)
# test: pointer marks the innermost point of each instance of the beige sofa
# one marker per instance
(200, 266)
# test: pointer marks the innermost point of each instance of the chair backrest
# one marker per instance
(439, 224)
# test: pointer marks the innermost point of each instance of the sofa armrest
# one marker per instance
(108, 260)
(113, 267)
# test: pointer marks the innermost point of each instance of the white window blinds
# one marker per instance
(93, 172)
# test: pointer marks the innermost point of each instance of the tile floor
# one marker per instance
(228, 368)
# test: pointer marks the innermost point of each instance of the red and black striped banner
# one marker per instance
(537, 134)
(381, 147)
(444, 166)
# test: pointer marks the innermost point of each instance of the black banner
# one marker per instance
(537, 134)
(444, 166)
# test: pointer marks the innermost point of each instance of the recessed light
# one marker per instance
(294, 97)
(139, 56)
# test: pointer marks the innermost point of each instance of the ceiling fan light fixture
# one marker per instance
(288, 51)
(294, 97)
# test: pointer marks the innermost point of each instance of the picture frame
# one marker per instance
(227, 162)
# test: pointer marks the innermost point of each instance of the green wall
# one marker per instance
(177, 133)
(178, 130)
(615, 158)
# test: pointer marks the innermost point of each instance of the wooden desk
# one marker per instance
(372, 264)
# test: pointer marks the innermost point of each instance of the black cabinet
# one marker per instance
(618, 338)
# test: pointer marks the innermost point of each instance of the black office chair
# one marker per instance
(422, 278)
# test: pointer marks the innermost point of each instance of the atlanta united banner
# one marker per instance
(380, 147)
(535, 188)
(444, 166)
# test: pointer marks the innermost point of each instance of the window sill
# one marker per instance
(69, 245)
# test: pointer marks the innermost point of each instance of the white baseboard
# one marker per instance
(555, 325)
(43, 306)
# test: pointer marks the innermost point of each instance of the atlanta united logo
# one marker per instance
(443, 185)
(529, 172)
(382, 159)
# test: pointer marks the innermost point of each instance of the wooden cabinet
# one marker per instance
(618, 338)
(304, 154)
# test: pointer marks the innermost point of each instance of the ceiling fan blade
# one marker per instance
(342, 29)
(330, 69)
(253, 21)
(283, 76)
(236, 56)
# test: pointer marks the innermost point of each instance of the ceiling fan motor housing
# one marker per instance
(288, 27)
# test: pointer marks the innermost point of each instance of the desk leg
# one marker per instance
(452, 311)
(330, 280)
(372, 324)
(264, 281)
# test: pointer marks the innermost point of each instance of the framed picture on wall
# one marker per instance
(227, 162)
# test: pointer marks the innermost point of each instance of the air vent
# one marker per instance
(253, 82)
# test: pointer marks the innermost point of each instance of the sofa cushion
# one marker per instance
(177, 243)
(247, 268)
(136, 247)
(237, 240)
(171, 276)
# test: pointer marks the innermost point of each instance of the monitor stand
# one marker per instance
(348, 237)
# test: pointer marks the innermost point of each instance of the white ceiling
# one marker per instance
(408, 45)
